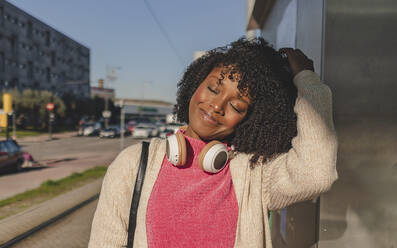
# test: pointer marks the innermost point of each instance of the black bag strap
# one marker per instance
(137, 193)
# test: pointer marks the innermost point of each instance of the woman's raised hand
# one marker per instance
(298, 61)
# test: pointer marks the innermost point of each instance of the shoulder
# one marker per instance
(127, 161)
(121, 170)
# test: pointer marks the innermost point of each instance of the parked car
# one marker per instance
(130, 126)
(142, 131)
(155, 130)
(110, 132)
(91, 129)
(11, 156)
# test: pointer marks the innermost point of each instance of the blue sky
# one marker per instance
(122, 33)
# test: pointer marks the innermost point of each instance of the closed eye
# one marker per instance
(236, 109)
(213, 91)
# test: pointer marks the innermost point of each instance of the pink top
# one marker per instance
(192, 208)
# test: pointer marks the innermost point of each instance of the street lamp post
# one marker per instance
(51, 116)
(122, 128)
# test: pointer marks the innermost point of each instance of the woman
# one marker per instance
(276, 119)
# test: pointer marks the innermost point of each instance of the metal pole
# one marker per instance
(14, 126)
(122, 117)
(106, 109)
(49, 126)
(8, 125)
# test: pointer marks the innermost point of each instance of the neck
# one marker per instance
(190, 133)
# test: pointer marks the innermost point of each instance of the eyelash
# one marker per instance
(238, 111)
(213, 91)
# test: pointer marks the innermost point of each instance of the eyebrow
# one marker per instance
(242, 99)
(239, 95)
(219, 80)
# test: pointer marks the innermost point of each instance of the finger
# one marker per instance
(287, 53)
(286, 50)
(300, 53)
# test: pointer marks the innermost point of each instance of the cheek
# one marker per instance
(232, 121)
(197, 97)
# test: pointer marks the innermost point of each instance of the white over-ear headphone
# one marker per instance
(212, 158)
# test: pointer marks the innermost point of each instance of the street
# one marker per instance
(60, 158)
(73, 231)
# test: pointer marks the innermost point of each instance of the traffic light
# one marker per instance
(7, 108)
(7, 103)
(3, 120)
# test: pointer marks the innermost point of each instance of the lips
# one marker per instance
(208, 118)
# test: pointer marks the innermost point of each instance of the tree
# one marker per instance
(30, 107)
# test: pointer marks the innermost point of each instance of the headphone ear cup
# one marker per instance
(213, 157)
(176, 149)
(182, 149)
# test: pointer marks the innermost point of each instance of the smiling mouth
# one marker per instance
(208, 118)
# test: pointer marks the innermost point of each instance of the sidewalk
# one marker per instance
(13, 184)
(45, 137)
(18, 224)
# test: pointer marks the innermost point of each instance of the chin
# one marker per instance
(209, 137)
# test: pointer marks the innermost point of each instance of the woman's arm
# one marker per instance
(110, 224)
(308, 168)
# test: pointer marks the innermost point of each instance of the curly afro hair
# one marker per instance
(270, 124)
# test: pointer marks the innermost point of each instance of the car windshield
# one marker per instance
(9, 146)
(143, 126)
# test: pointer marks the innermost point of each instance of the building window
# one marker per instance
(30, 29)
(36, 50)
(36, 85)
(53, 58)
(2, 62)
(48, 74)
(47, 38)
(14, 83)
(1, 15)
(14, 44)
(30, 70)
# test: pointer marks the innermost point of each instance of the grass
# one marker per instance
(32, 132)
(47, 190)
(21, 133)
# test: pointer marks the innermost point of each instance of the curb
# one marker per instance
(16, 225)
(45, 137)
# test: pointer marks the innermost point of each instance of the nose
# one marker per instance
(217, 105)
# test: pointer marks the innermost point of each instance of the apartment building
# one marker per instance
(33, 55)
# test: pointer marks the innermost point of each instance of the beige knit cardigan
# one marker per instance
(302, 173)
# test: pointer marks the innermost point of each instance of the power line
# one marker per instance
(162, 30)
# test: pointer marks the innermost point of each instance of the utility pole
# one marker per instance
(122, 128)
(14, 126)
(111, 77)
(51, 116)
(106, 110)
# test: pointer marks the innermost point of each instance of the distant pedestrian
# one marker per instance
(259, 137)
(28, 160)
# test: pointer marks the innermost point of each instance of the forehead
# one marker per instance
(226, 72)
(227, 75)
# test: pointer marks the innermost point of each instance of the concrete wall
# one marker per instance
(353, 44)
(360, 58)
